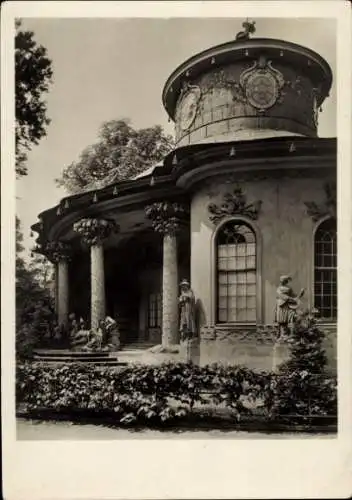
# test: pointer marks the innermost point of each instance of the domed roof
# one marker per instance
(259, 82)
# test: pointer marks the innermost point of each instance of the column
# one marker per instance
(170, 333)
(93, 232)
(97, 298)
(167, 218)
(58, 252)
(62, 291)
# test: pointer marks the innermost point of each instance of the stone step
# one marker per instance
(75, 359)
(140, 346)
(72, 354)
(96, 362)
(87, 363)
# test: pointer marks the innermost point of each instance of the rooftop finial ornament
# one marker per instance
(249, 29)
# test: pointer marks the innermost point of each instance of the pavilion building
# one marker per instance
(247, 195)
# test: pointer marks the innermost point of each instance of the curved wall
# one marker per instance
(224, 109)
(280, 251)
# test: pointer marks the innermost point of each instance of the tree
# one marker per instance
(42, 269)
(34, 305)
(303, 386)
(121, 153)
(33, 75)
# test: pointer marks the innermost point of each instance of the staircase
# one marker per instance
(66, 356)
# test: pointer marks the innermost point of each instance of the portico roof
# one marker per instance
(179, 170)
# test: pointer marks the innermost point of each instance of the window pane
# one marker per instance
(251, 290)
(232, 278)
(251, 277)
(222, 264)
(251, 314)
(232, 315)
(223, 278)
(223, 315)
(242, 315)
(251, 302)
(223, 302)
(241, 302)
(250, 264)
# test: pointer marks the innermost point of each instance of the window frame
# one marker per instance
(318, 225)
(158, 318)
(258, 268)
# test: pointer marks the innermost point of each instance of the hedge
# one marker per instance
(154, 395)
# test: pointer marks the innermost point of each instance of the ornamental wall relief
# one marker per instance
(234, 203)
(187, 106)
(328, 208)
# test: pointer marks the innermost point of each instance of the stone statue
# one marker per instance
(95, 338)
(287, 303)
(112, 333)
(187, 311)
(104, 338)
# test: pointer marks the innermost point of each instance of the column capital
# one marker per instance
(94, 231)
(167, 217)
(57, 251)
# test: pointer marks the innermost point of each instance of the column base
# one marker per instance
(171, 349)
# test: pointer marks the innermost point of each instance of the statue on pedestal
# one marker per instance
(287, 303)
(187, 311)
(103, 338)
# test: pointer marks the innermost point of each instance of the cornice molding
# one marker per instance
(259, 166)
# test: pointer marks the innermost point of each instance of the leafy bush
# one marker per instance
(153, 394)
(149, 394)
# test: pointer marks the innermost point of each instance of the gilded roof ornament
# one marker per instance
(249, 29)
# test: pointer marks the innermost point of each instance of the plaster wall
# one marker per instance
(284, 239)
(255, 348)
(224, 114)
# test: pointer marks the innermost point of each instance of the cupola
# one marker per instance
(248, 88)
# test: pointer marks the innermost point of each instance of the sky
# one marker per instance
(106, 69)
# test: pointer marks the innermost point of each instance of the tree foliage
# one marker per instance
(33, 75)
(120, 153)
(34, 305)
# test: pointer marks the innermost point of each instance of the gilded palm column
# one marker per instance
(167, 218)
(58, 252)
(93, 232)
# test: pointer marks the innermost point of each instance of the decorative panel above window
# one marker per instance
(236, 273)
(325, 270)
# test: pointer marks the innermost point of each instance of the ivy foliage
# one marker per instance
(144, 394)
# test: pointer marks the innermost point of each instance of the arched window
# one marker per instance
(236, 273)
(325, 269)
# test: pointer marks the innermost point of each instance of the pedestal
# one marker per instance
(190, 351)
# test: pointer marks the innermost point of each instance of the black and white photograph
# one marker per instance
(176, 252)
